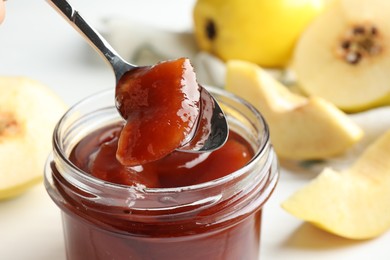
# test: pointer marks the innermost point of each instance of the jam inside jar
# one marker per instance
(216, 219)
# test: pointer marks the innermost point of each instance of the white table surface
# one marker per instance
(36, 42)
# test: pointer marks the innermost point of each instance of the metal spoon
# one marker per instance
(211, 131)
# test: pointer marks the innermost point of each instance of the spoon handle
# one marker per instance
(119, 65)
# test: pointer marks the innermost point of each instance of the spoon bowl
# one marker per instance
(211, 129)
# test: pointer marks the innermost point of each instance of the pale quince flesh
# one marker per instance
(343, 55)
(353, 203)
(28, 113)
(300, 128)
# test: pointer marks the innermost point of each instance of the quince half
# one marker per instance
(352, 203)
(300, 128)
(343, 55)
(2, 11)
(28, 114)
(260, 31)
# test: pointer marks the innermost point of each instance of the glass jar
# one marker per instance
(219, 219)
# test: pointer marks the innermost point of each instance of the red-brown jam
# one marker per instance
(160, 235)
(161, 106)
(95, 154)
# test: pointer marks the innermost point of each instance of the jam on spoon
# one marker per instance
(161, 107)
(204, 127)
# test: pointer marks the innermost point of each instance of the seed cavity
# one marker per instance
(360, 42)
(9, 126)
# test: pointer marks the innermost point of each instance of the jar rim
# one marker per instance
(86, 177)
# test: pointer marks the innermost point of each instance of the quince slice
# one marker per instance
(28, 114)
(353, 203)
(301, 128)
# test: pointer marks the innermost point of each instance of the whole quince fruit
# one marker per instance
(259, 31)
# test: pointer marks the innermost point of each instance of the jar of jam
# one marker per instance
(210, 216)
